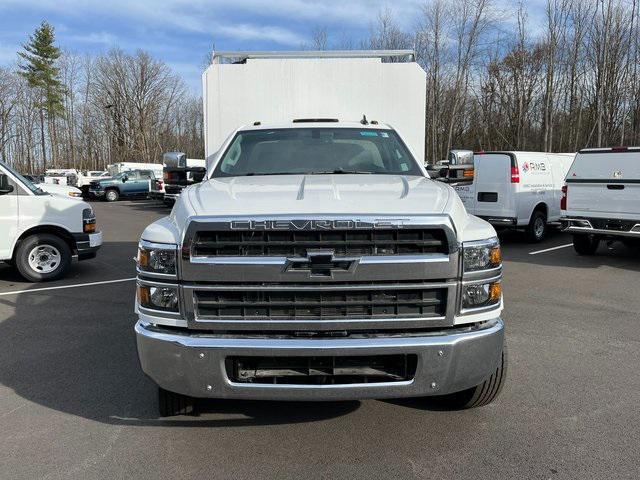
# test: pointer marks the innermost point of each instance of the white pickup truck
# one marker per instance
(318, 261)
(601, 198)
(42, 232)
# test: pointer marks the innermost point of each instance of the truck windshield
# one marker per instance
(310, 151)
(28, 184)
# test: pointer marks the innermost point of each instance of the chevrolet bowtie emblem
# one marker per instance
(321, 263)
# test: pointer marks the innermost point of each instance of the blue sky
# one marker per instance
(181, 32)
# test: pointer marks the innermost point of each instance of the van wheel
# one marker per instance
(112, 195)
(631, 242)
(171, 403)
(480, 395)
(586, 244)
(537, 228)
(43, 257)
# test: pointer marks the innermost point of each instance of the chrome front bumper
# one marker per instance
(449, 360)
(87, 244)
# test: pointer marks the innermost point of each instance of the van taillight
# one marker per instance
(515, 175)
(563, 200)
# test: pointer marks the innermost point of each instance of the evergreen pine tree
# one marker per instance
(41, 72)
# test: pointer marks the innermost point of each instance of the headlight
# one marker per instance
(160, 298)
(157, 258)
(481, 295)
(75, 194)
(482, 255)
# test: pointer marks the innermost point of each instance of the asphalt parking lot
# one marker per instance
(75, 404)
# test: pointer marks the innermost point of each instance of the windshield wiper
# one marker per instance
(341, 171)
(338, 171)
(251, 174)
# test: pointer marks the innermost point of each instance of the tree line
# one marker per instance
(495, 81)
(500, 81)
(64, 110)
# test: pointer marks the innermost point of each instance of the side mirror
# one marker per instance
(6, 189)
(461, 157)
(436, 171)
(124, 178)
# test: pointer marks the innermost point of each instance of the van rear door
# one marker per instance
(605, 183)
(493, 188)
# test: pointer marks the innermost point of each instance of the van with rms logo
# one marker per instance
(602, 198)
(519, 190)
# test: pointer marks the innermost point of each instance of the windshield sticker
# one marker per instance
(384, 135)
(369, 134)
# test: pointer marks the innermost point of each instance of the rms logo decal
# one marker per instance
(533, 167)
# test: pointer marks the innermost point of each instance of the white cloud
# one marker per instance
(253, 32)
(103, 38)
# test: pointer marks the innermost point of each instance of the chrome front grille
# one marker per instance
(413, 241)
(319, 303)
(330, 274)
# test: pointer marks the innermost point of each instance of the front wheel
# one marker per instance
(111, 195)
(586, 244)
(43, 257)
(537, 228)
(480, 395)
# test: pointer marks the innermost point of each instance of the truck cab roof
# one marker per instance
(316, 123)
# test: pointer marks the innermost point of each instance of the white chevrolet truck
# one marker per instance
(317, 260)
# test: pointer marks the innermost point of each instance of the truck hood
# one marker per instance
(317, 194)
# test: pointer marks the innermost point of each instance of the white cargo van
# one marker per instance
(41, 232)
(517, 189)
(602, 197)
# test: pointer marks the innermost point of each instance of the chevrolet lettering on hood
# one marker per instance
(315, 224)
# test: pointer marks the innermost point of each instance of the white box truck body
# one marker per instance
(279, 88)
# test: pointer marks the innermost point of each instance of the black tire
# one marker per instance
(26, 250)
(171, 403)
(586, 244)
(537, 228)
(633, 243)
(480, 395)
(112, 195)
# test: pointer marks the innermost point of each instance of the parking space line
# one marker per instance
(551, 249)
(16, 292)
